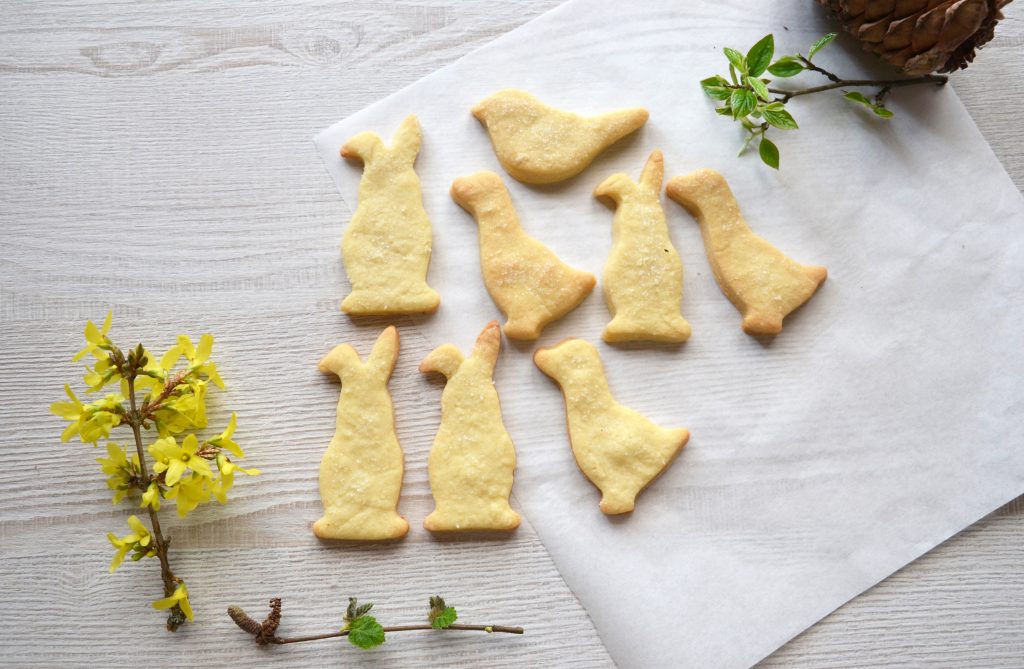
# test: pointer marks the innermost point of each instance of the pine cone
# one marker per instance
(920, 36)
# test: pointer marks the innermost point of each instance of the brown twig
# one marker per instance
(160, 544)
(263, 633)
(150, 408)
(936, 79)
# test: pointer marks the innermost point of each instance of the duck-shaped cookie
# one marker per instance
(619, 450)
(472, 460)
(386, 247)
(524, 278)
(538, 144)
(643, 278)
(763, 283)
(361, 472)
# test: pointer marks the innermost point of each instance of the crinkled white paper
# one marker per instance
(885, 417)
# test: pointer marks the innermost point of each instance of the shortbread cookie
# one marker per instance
(763, 283)
(619, 450)
(472, 460)
(387, 244)
(538, 144)
(361, 473)
(526, 279)
(643, 278)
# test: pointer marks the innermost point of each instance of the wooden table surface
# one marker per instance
(156, 159)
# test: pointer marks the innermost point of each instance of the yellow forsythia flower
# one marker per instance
(119, 472)
(176, 459)
(91, 421)
(189, 493)
(223, 440)
(95, 337)
(139, 541)
(220, 487)
(179, 597)
(151, 497)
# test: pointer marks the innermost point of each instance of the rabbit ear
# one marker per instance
(363, 147)
(614, 187)
(340, 358)
(654, 172)
(407, 139)
(384, 354)
(488, 344)
(444, 359)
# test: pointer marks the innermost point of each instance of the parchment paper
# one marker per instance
(886, 416)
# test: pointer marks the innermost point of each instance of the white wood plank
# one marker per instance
(156, 157)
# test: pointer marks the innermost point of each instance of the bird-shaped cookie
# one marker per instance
(472, 460)
(361, 472)
(643, 278)
(763, 283)
(538, 144)
(616, 448)
(525, 278)
(387, 244)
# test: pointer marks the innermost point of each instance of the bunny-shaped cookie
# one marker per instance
(472, 460)
(387, 244)
(643, 278)
(361, 472)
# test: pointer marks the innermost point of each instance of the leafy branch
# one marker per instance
(748, 98)
(170, 402)
(360, 628)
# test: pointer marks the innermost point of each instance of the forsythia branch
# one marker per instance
(173, 403)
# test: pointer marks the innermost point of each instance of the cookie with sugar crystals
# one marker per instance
(539, 144)
(472, 460)
(361, 472)
(616, 448)
(643, 277)
(387, 244)
(763, 283)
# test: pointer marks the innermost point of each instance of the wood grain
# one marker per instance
(155, 157)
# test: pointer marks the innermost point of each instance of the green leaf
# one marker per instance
(780, 118)
(758, 87)
(724, 110)
(855, 96)
(786, 67)
(355, 609)
(769, 153)
(760, 55)
(742, 102)
(735, 59)
(882, 111)
(445, 618)
(715, 87)
(441, 615)
(820, 44)
(365, 632)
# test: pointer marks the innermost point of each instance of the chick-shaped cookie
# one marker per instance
(616, 448)
(763, 283)
(386, 247)
(643, 278)
(472, 460)
(361, 472)
(527, 281)
(538, 144)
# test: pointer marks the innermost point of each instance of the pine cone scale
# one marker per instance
(920, 36)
